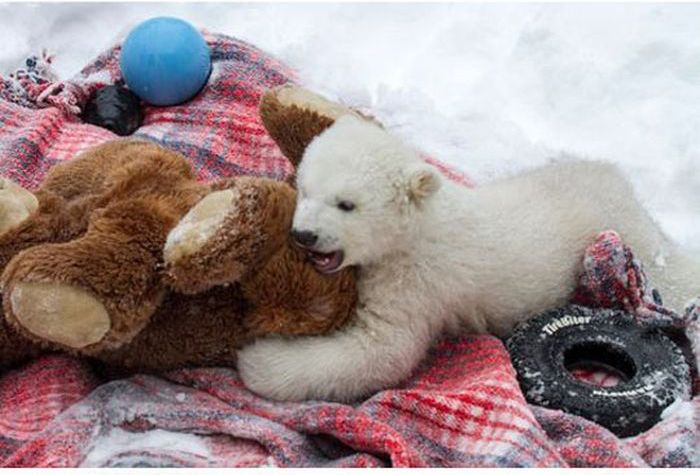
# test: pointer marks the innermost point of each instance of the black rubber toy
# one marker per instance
(115, 108)
(652, 369)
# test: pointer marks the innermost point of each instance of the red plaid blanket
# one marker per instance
(462, 407)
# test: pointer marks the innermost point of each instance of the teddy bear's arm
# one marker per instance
(229, 233)
(60, 209)
(53, 220)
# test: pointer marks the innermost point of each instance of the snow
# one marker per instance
(683, 415)
(119, 441)
(489, 88)
(681, 408)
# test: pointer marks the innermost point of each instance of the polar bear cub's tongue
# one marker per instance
(326, 262)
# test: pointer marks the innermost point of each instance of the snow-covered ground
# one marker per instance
(490, 88)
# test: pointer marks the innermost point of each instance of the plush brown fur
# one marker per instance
(125, 257)
(294, 116)
(291, 126)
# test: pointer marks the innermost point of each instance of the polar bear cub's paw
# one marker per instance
(270, 367)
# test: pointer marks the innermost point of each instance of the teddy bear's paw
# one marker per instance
(227, 233)
(16, 204)
(59, 313)
(198, 226)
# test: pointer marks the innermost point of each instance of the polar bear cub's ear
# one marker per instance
(423, 181)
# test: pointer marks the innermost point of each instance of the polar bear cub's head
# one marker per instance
(360, 194)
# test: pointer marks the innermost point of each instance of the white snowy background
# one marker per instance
(489, 88)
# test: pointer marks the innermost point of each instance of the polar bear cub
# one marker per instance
(434, 256)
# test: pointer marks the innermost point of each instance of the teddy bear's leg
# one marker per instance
(96, 291)
(294, 116)
(229, 232)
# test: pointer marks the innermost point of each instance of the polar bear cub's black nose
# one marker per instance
(304, 238)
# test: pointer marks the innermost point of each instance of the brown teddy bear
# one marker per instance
(123, 256)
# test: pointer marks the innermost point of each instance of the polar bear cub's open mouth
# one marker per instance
(323, 262)
(326, 262)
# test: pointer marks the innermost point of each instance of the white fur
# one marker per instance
(435, 256)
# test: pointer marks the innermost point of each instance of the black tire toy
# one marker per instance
(115, 108)
(652, 369)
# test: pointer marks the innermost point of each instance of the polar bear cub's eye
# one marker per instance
(346, 206)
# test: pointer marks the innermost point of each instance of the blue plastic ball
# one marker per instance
(165, 61)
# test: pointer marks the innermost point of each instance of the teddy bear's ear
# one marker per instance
(294, 116)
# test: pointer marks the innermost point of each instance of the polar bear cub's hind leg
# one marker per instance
(598, 196)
